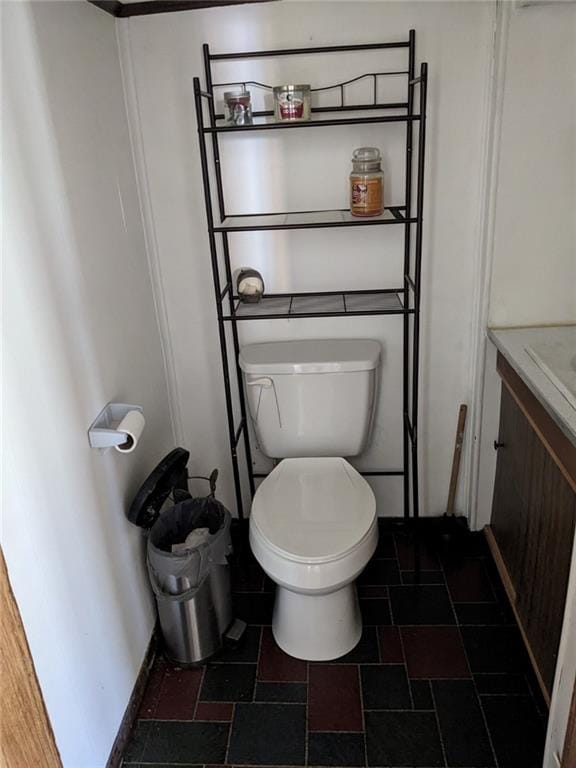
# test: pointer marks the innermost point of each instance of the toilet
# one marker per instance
(313, 523)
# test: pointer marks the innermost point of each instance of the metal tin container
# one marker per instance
(238, 107)
(291, 103)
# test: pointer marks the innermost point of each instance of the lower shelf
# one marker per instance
(321, 305)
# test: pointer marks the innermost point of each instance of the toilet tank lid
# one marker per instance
(310, 356)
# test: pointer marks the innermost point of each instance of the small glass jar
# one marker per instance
(291, 103)
(238, 107)
(366, 182)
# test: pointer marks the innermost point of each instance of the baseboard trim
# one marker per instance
(125, 730)
(511, 594)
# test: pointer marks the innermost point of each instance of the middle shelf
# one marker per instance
(324, 304)
(310, 220)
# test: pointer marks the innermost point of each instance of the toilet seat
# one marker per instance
(313, 510)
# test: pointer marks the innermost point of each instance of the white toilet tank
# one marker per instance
(312, 397)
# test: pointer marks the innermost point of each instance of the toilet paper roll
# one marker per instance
(132, 426)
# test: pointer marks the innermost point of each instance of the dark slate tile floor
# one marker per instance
(439, 678)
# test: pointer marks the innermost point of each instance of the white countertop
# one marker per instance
(513, 343)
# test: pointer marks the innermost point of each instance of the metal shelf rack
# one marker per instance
(401, 300)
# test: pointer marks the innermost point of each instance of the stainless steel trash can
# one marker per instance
(191, 585)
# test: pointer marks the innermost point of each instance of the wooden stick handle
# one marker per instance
(456, 459)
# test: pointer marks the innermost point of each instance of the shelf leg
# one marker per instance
(416, 338)
(406, 295)
(225, 245)
(241, 397)
(217, 291)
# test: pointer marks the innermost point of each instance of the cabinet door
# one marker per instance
(509, 510)
(551, 514)
(533, 517)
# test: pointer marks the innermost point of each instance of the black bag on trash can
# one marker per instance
(188, 549)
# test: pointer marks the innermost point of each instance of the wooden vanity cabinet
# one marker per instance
(533, 519)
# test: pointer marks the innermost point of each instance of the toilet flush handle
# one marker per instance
(264, 382)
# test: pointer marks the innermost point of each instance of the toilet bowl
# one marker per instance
(313, 529)
(313, 525)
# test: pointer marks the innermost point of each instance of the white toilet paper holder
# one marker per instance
(103, 432)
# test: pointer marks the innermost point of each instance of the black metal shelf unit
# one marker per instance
(401, 300)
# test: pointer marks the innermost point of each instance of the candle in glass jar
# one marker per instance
(366, 183)
(291, 103)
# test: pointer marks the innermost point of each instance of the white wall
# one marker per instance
(161, 55)
(531, 252)
(81, 330)
(534, 273)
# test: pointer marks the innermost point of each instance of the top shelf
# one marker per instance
(307, 51)
(316, 123)
(322, 115)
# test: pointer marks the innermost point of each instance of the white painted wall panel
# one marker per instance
(534, 276)
(80, 330)
(310, 168)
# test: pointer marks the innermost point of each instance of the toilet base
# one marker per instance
(317, 627)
